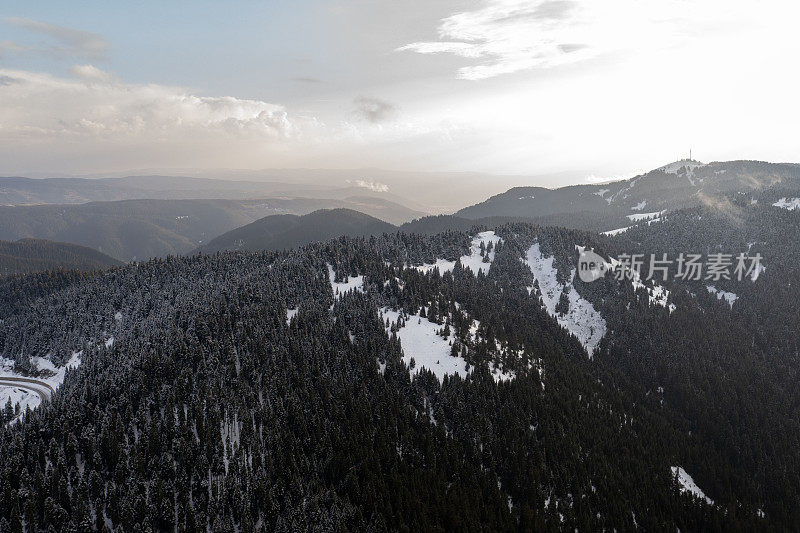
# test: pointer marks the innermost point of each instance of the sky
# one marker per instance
(585, 90)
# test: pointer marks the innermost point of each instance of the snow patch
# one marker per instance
(729, 297)
(420, 341)
(638, 207)
(474, 261)
(290, 314)
(617, 231)
(582, 320)
(788, 203)
(638, 217)
(57, 373)
(687, 484)
(355, 283)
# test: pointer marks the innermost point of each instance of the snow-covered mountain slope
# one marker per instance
(687, 484)
(581, 318)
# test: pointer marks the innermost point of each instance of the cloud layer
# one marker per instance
(95, 105)
(507, 36)
(93, 121)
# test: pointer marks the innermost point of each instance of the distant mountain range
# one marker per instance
(278, 232)
(27, 191)
(34, 255)
(685, 183)
(139, 229)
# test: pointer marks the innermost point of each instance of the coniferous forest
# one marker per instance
(247, 391)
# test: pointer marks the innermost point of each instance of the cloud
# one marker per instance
(90, 73)
(372, 185)
(93, 120)
(373, 110)
(507, 36)
(69, 41)
(46, 106)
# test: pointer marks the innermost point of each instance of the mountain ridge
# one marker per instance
(278, 232)
(670, 186)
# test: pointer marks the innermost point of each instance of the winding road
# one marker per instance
(40, 388)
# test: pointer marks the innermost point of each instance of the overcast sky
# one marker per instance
(590, 88)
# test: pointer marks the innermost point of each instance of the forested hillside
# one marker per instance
(33, 255)
(466, 380)
(290, 231)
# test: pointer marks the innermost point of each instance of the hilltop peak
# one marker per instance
(675, 166)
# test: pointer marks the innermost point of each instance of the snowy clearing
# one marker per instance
(290, 314)
(57, 373)
(729, 297)
(419, 340)
(617, 231)
(638, 217)
(582, 320)
(473, 261)
(687, 484)
(788, 203)
(355, 283)
(638, 207)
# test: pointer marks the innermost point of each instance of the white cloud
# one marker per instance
(372, 185)
(508, 36)
(90, 72)
(97, 106)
